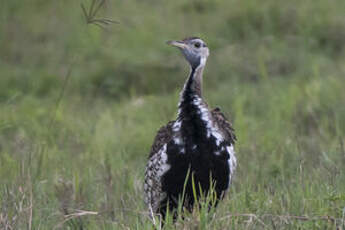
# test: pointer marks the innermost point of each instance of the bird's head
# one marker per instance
(194, 50)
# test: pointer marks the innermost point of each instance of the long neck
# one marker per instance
(192, 88)
(193, 85)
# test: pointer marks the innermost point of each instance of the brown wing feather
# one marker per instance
(163, 136)
(224, 125)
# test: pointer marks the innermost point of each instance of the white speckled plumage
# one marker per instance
(156, 167)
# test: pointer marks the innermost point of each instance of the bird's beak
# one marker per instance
(178, 44)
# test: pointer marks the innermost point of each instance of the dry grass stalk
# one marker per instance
(283, 218)
(77, 214)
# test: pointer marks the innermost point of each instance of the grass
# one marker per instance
(73, 146)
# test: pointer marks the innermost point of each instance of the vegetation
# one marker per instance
(80, 106)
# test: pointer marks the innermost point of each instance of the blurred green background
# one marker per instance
(80, 105)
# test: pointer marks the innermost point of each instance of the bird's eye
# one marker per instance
(197, 45)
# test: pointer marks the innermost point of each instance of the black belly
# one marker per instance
(206, 168)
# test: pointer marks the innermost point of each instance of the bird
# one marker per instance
(195, 152)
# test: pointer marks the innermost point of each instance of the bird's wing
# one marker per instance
(156, 167)
(163, 136)
(224, 125)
